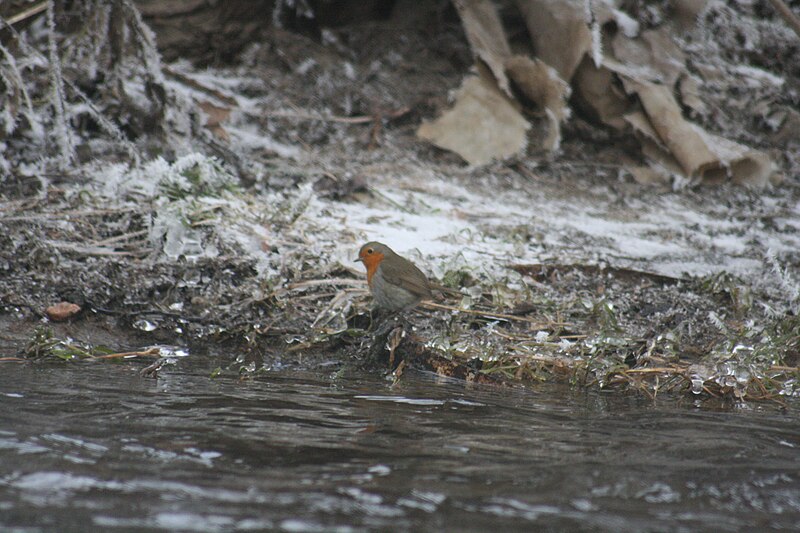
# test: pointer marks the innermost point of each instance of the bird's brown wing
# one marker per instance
(406, 274)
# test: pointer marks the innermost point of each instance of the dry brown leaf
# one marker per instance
(541, 84)
(687, 149)
(686, 11)
(215, 116)
(654, 53)
(537, 81)
(678, 135)
(559, 32)
(649, 175)
(689, 90)
(486, 37)
(597, 93)
(483, 125)
(633, 88)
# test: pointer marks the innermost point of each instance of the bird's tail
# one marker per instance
(445, 290)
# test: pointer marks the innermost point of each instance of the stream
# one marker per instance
(95, 446)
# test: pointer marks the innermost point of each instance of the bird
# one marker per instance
(395, 282)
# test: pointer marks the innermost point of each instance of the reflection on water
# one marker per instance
(97, 446)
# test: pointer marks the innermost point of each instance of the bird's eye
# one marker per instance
(370, 250)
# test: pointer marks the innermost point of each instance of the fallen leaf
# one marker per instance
(486, 37)
(215, 116)
(483, 125)
(62, 311)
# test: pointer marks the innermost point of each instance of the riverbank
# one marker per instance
(234, 223)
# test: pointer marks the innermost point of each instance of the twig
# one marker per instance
(662, 370)
(151, 371)
(520, 338)
(145, 353)
(98, 252)
(327, 314)
(583, 164)
(779, 368)
(122, 237)
(541, 269)
(490, 314)
(27, 13)
(525, 338)
(299, 346)
(761, 386)
(12, 360)
(101, 119)
(191, 82)
(554, 360)
(316, 296)
(63, 134)
(363, 119)
(791, 19)
(639, 385)
(777, 400)
(378, 193)
(15, 206)
(325, 282)
(67, 214)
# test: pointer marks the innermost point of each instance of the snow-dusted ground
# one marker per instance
(453, 218)
(445, 215)
(666, 234)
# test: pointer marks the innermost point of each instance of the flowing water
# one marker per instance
(97, 447)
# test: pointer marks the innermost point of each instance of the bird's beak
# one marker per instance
(359, 260)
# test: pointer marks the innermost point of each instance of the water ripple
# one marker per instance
(100, 445)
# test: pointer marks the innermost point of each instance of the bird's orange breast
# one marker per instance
(372, 262)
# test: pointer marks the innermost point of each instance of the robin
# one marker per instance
(395, 282)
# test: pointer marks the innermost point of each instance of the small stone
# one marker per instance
(62, 311)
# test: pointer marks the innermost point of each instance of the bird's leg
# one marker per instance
(395, 337)
(381, 317)
(387, 335)
(385, 322)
